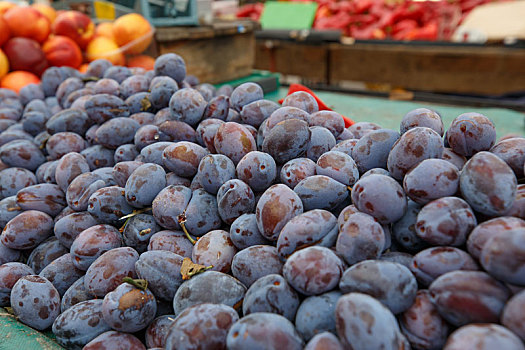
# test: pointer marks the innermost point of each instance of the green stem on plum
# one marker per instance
(88, 79)
(129, 216)
(182, 223)
(139, 283)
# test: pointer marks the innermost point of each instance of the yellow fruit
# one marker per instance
(4, 64)
(105, 29)
(102, 47)
(47, 11)
(134, 32)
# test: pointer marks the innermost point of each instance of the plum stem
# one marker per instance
(182, 223)
(88, 79)
(139, 283)
(129, 216)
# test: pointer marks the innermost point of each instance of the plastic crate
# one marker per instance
(160, 13)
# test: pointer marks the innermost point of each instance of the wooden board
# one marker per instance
(454, 69)
(218, 28)
(215, 60)
(214, 54)
(307, 61)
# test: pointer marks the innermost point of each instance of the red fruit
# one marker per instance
(74, 25)
(28, 23)
(25, 54)
(62, 51)
(5, 33)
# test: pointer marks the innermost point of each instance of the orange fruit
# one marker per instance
(105, 29)
(5, 33)
(18, 79)
(142, 61)
(27, 22)
(133, 32)
(102, 47)
(47, 11)
(83, 68)
(4, 6)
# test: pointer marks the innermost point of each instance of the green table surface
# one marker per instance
(15, 335)
(388, 113)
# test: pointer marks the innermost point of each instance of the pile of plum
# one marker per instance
(145, 210)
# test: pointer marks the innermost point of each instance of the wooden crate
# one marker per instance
(308, 61)
(453, 69)
(214, 54)
(438, 68)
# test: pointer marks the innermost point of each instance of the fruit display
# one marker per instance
(385, 19)
(141, 209)
(33, 38)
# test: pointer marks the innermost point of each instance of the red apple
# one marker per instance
(25, 54)
(76, 26)
(62, 51)
(24, 21)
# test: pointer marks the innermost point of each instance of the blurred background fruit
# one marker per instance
(76, 26)
(4, 64)
(46, 10)
(25, 54)
(135, 30)
(62, 51)
(141, 61)
(28, 23)
(6, 5)
(105, 29)
(5, 32)
(18, 79)
(102, 47)
(83, 68)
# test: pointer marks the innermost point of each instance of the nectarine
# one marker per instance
(102, 47)
(76, 26)
(142, 61)
(133, 32)
(17, 80)
(27, 22)
(105, 29)
(62, 51)
(25, 54)
(4, 6)
(47, 11)
(4, 64)
(5, 33)
(83, 68)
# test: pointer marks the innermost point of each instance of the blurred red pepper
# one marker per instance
(338, 21)
(369, 32)
(429, 32)
(252, 11)
(322, 12)
(362, 6)
(379, 19)
(402, 28)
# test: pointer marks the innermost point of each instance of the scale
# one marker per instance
(160, 13)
